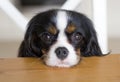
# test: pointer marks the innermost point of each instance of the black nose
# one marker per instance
(61, 52)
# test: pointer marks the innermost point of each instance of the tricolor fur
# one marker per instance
(61, 37)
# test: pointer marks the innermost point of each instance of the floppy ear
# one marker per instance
(29, 47)
(91, 45)
(92, 48)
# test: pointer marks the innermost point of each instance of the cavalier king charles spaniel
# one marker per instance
(60, 38)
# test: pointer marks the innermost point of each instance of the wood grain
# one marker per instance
(90, 69)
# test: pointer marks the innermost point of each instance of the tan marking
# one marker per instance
(44, 51)
(78, 52)
(71, 28)
(52, 30)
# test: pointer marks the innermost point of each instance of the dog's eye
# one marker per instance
(77, 36)
(45, 36)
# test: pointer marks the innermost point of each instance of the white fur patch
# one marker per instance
(72, 58)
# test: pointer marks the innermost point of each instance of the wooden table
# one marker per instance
(91, 69)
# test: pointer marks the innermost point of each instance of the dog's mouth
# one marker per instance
(60, 64)
(61, 57)
(66, 63)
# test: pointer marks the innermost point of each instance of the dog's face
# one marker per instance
(61, 37)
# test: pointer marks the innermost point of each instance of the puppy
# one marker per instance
(60, 37)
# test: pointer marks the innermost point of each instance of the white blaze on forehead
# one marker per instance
(61, 25)
(61, 20)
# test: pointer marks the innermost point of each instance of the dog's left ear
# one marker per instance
(91, 46)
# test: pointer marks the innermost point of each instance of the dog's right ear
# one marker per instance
(28, 47)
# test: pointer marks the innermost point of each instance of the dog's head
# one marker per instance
(61, 37)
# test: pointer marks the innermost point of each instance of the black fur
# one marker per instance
(32, 44)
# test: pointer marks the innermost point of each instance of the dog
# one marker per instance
(60, 37)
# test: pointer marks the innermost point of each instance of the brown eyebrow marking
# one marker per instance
(52, 30)
(71, 28)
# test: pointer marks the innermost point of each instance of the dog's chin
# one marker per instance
(62, 63)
